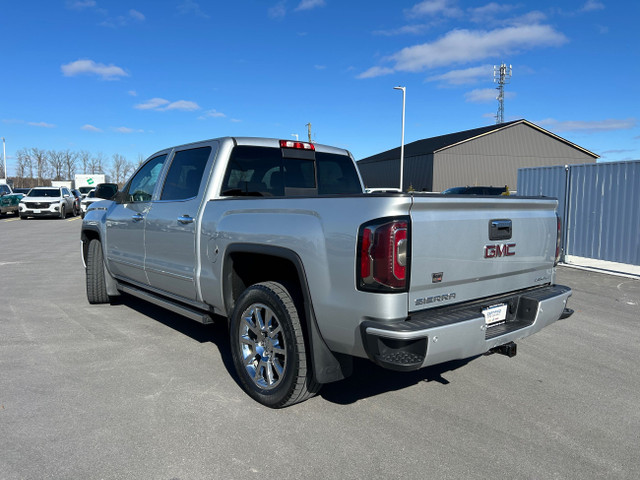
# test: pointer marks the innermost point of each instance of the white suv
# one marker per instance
(48, 202)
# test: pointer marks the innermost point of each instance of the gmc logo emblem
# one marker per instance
(494, 251)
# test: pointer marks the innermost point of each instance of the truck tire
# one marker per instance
(96, 285)
(268, 347)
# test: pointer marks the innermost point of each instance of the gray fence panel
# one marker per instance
(604, 212)
(547, 182)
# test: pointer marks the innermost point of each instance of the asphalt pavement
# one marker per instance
(131, 391)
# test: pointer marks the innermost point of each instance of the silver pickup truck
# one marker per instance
(278, 237)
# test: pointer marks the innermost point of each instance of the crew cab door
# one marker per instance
(172, 222)
(125, 222)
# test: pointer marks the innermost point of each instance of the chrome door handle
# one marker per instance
(137, 217)
(184, 219)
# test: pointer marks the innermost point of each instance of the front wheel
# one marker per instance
(96, 283)
(63, 212)
(268, 347)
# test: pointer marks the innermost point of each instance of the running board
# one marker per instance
(175, 307)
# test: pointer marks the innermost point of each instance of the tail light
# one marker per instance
(383, 256)
(558, 241)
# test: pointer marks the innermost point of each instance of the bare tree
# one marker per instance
(127, 170)
(40, 162)
(24, 156)
(21, 168)
(85, 159)
(97, 164)
(118, 164)
(56, 163)
(69, 160)
(141, 159)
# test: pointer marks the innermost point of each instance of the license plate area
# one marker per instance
(495, 314)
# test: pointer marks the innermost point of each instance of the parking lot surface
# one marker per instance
(131, 391)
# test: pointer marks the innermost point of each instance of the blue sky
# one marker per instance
(131, 78)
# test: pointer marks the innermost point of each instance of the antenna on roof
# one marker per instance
(501, 76)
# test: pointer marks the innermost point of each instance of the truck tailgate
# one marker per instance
(466, 248)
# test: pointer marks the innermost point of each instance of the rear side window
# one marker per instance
(264, 172)
(185, 174)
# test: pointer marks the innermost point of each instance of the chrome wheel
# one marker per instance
(262, 345)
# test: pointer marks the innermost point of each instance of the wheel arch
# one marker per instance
(248, 264)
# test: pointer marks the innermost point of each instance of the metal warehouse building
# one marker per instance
(483, 156)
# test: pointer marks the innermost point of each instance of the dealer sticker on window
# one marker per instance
(495, 314)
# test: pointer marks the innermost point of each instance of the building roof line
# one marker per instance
(504, 126)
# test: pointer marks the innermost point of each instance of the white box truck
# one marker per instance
(87, 182)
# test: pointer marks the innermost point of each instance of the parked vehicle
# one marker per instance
(87, 182)
(21, 190)
(279, 238)
(9, 200)
(476, 190)
(88, 200)
(78, 198)
(47, 202)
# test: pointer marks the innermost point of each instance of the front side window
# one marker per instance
(185, 174)
(143, 183)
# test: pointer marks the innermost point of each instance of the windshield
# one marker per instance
(86, 189)
(44, 192)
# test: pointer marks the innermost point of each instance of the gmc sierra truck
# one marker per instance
(279, 238)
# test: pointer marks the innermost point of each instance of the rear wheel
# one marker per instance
(268, 347)
(96, 284)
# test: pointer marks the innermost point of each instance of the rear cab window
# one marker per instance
(275, 172)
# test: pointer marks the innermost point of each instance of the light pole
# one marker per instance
(4, 158)
(404, 94)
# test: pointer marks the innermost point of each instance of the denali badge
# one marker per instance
(499, 250)
(435, 298)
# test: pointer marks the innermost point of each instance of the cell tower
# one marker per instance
(501, 76)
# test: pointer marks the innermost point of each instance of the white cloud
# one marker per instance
(81, 4)
(89, 67)
(126, 130)
(153, 104)
(320, 67)
(592, 6)
(464, 76)
(376, 72)
(185, 105)
(90, 128)
(41, 124)
(133, 93)
(481, 95)
(277, 11)
(433, 8)
(136, 15)
(594, 126)
(189, 7)
(488, 12)
(310, 4)
(162, 104)
(211, 114)
(404, 30)
(463, 46)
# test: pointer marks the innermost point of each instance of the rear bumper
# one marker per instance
(440, 335)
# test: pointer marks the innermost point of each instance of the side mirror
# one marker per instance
(106, 190)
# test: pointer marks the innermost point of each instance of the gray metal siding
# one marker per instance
(604, 211)
(547, 182)
(494, 159)
(599, 205)
(418, 173)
